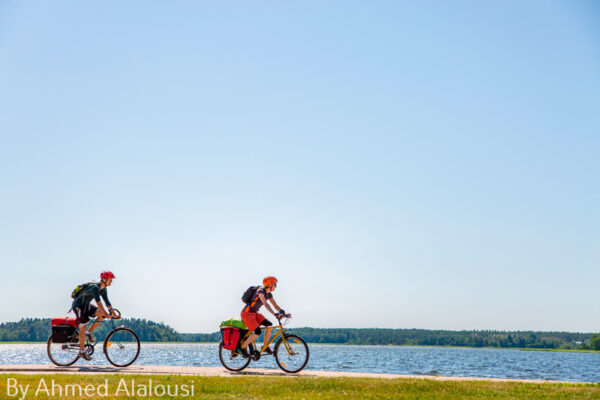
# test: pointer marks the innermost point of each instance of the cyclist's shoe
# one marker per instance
(267, 350)
(90, 336)
(84, 354)
(244, 352)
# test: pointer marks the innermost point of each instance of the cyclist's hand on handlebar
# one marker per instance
(115, 314)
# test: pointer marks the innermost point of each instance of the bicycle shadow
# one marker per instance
(259, 373)
(97, 369)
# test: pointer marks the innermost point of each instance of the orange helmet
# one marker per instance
(269, 281)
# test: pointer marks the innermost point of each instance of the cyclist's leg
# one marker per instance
(98, 321)
(252, 324)
(250, 339)
(268, 326)
(82, 328)
(82, 320)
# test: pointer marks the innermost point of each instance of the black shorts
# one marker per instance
(84, 314)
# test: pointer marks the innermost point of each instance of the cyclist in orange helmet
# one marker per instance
(253, 319)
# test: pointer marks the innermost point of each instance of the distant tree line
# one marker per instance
(594, 343)
(423, 337)
(147, 331)
(26, 330)
(39, 329)
(200, 337)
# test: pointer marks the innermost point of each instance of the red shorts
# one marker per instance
(252, 320)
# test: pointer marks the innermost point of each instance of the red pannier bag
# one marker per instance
(231, 336)
(56, 321)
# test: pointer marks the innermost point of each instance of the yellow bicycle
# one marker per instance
(290, 351)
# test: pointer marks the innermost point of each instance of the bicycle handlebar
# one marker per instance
(93, 319)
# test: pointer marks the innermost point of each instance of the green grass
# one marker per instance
(564, 350)
(256, 387)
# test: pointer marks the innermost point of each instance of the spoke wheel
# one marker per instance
(292, 357)
(122, 347)
(232, 360)
(63, 354)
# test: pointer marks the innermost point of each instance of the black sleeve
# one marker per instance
(103, 292)
(95, 290)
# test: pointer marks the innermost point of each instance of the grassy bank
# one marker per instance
(254, 387)
(564, 350)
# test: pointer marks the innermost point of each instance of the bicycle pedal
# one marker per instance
(268, 351)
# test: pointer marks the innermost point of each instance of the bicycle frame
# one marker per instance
(92, 322)
(274, 335)
(74, 343)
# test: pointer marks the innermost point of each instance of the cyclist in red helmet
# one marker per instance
(84, 309)
(253, 319)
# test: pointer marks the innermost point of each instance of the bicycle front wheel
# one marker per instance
(232, 360)
(63, 354)
(122, 347)
(291, 353)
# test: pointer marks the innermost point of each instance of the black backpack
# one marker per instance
(249, 294)
(79, 288)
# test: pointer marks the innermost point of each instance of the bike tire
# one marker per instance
(55, 360)
(135, 345)
(224, 353)
(298, 341)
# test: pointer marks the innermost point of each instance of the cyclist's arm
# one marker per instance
(104, 295)
(279, 309)
(264, 301)
(96, 294)
(272, 300)
(101, 308)
(105, 298)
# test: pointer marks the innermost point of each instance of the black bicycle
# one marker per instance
(121, 345)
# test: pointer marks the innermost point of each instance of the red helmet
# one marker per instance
(107, 274)
(269, 281)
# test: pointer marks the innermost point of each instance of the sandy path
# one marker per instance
(219, 371)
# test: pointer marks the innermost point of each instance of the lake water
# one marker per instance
(492, 363)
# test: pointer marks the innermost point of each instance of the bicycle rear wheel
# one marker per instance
(63, 354)
(291, 353)
(232, 360)
(122, 347)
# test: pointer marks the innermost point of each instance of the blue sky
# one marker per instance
(394, 164)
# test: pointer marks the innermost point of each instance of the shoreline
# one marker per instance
(375, 345)
(222, 372)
